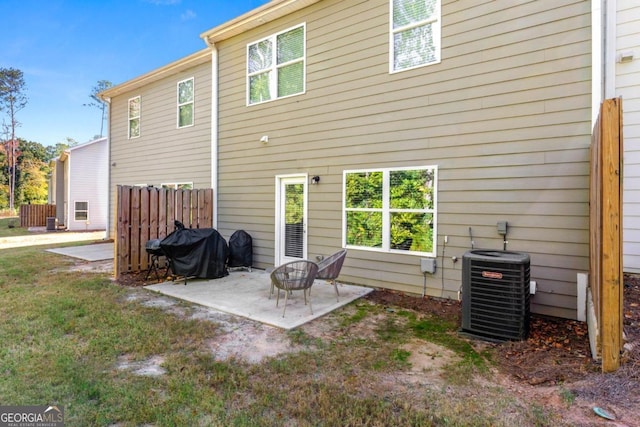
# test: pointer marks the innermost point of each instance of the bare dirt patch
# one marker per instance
(553, 366)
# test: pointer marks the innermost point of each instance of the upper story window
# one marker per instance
(276, 66)
(415, 33)
(185, 103)
(391, 210)
(134, 117)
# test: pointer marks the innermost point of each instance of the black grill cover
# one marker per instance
(240, 249)
(196, 252)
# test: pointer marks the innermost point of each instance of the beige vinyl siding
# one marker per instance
(628, 86)
(163, 153)
(505, 116)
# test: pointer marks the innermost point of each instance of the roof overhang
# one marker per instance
(175, 67)
(266, 13)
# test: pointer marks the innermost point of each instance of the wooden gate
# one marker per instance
(145, 213)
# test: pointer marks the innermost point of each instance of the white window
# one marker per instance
(415, 33)
(276, 66)
(81, 211)
(178, 185)
(391, 210)
(134, 117)
(185, 103)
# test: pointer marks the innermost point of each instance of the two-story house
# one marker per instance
(402, 130)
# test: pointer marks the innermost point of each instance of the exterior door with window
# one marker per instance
(291, 219)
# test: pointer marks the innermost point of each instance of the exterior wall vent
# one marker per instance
(495, 295)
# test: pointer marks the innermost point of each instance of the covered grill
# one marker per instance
(196, 252)
(240, 250)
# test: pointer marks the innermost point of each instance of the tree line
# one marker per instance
(24, 165)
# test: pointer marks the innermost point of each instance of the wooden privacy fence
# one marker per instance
(36, 215)
(145, 213)
(605, 240)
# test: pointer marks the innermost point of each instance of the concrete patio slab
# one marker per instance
(97, 252)
(246, 294)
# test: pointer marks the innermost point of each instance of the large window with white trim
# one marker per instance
(185, 103)
(415, 33)
(276, 66)
(134, 117)
(391, 209)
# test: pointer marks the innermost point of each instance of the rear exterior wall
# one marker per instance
(505, 116)
(162, 153)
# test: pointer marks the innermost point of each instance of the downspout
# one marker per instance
(214, 128)
(110, 209)
(610, 35)
(597, 59)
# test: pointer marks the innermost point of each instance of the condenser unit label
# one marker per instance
(491, 275)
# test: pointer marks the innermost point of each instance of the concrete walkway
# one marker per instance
(50, 238)
(97, 252)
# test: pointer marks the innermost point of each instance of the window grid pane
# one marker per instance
(364, 190)
(186, 115)
(259, 89)
(290, 79)
(185, 92)
(290, 45)
(364, 229)
(414, 47)
(260, 56)
(406, 12)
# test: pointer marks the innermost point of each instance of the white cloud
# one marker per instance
(188, 15)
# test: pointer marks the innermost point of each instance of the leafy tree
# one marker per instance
(33, 171)
(53, 151)
(99, 103)
(12, 100)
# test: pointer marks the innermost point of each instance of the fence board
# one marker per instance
(146, 213)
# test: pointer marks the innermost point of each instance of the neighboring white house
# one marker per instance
(79, 186)
(622, 79)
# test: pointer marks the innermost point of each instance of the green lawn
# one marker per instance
(64, 335)
(10, 226)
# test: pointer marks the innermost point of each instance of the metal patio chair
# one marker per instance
(294, 276)
(329, 269)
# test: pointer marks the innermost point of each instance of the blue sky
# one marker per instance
(64, 47)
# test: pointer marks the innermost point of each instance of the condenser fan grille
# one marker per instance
(496, 294)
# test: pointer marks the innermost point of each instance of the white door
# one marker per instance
(291, 218)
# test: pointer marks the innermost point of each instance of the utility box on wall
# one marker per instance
(496, 294)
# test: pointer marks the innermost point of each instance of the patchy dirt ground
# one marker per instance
(553, 366)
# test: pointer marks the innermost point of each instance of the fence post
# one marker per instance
(612, 275)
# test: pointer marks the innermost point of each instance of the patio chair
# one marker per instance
(294, 276)
(329, 269)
